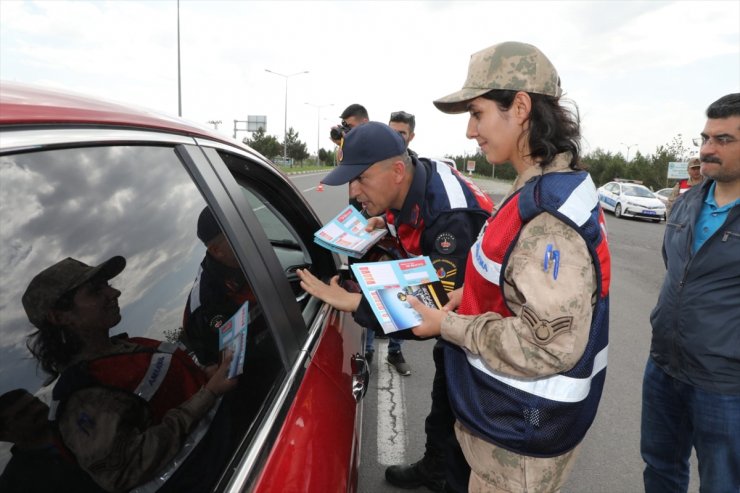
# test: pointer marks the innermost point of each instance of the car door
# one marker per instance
(92, 193)
(608, 195)
(324, 418)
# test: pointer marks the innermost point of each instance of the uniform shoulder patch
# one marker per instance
(445, 243)
(446, 270)
(543, 330)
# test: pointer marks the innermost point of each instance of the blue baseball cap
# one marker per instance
(362, 147)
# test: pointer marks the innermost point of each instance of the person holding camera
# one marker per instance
(353, 115)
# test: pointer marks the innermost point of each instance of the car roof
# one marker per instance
(22, 104)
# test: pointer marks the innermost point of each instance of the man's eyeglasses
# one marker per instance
(720, 140)
(403, 117)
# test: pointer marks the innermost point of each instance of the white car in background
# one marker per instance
(631, 200)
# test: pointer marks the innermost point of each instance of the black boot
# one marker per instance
(429, 472)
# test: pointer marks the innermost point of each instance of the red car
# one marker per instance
(89, 179)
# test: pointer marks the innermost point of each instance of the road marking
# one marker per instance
(391, 435)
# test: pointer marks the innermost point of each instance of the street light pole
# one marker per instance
(285, 123)
(318, 126)
(630, 146)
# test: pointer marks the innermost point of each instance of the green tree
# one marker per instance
(296, 149)
(327, 157)
(267, 145)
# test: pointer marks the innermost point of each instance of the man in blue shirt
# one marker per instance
(691, 387)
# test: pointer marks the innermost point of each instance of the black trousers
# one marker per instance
(439, 427)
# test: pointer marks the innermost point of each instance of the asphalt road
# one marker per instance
(395, 406)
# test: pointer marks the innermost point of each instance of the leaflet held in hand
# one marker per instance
(346, 234)
(232, 336)
(388, 284)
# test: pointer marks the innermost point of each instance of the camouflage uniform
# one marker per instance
(508, 344)
(111, 435)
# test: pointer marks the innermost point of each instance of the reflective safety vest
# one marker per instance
(683, 186)
(446, 190)
(545, 416)
(161, 374)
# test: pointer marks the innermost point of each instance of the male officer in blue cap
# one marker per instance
(432, 211)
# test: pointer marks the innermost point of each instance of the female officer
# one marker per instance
(525, 352)
(129, 409)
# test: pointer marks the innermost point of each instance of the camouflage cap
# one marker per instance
(694, 162)
(53, 282)
(510, 66)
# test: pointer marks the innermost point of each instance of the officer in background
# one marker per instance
(695, 178)
(434, 212)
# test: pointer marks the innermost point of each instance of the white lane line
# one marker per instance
(392, 441)
(309, 189)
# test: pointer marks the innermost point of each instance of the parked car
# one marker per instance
(664, 194)
(631, 200)
(90, 179)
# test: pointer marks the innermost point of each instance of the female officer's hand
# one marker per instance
(220, 383)
(455, 297)
(431, 318)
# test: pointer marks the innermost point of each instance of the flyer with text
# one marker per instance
(232, 335)
(388, 284)
(346, 234)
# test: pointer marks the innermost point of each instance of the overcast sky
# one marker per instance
(640, 72)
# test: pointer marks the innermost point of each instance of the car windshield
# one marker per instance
(637, 191)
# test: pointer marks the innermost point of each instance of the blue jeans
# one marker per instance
(676, 417)
(394, 345)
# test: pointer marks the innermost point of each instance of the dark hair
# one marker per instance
(52, 345)
(553, 128)
(403, 117)
(356, 110)
(725, 107)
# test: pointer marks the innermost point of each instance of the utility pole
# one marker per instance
(215, 123)
(285, 124)
(628, 146)
(318, 127)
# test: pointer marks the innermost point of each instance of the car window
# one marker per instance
(638, 191)
(139, 202)
(612, 187)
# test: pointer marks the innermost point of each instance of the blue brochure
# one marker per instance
(232, 336)
(388, 284)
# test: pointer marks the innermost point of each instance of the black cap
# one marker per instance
(364, 146)
(208, 228)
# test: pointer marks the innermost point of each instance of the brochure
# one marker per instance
(232, 336)
(346, 234)
(387, 285)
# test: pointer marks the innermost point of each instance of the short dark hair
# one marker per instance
(403, 117)
(725, 107)
(553, 127)
(356, 110)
